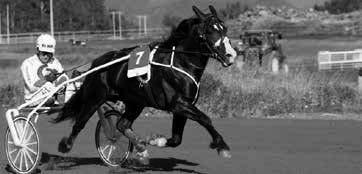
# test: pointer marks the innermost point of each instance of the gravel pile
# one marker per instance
(298, 21)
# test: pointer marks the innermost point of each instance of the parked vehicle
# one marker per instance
(254, 47)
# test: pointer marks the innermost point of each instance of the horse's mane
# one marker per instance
(181, 32)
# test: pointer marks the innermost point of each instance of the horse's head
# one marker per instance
(213, 33)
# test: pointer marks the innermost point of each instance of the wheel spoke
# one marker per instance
(29, 156)
(10, 152)
(32, 143)
(31, 150)
(17, 156)
(21, 160)
(26, 128)
(25, 160)
(19, 128)
(110, 152)
(23, 134)
(104, 149)
(28, 137)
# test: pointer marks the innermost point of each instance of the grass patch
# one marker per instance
(257, 93)
(230, 92)
(9, 95)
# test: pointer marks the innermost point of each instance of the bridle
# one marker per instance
(212, 52)
(216, 24)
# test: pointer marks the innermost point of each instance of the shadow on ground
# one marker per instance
(155, 164)
(49, 162)
(57, 162)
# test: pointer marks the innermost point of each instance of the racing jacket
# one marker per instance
(33, 71)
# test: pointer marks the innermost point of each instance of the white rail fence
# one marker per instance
(64, 36)
(339, 60)
(342, 60)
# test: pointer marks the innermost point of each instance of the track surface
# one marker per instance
(258, 146)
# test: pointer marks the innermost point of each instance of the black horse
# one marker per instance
(173, 88)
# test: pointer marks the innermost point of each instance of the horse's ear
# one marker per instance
(213, 11)
(199, 13)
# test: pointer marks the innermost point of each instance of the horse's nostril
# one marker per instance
(228, 55)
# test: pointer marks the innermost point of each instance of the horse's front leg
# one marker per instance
(178, 125)
(190, 111)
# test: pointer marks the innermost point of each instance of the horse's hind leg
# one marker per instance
(190, 111)
(95, 97)
(124, 125)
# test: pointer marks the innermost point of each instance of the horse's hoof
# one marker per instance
(63, 146)
(225, 153)
(144, 161)
(143, 157)
(158, 142)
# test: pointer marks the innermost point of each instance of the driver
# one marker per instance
(42, 72)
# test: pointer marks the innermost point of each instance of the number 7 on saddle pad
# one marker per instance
(138, 63)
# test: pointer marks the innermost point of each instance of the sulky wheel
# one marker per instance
(112, 146)
(23, 158)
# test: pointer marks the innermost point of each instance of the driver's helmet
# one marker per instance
(46, 43)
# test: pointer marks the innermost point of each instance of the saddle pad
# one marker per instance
(138, 63)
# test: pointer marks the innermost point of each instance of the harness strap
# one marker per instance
(178, 70)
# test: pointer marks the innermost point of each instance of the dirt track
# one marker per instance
(258, 146)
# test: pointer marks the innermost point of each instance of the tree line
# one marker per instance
(73, 15)
(69, 15)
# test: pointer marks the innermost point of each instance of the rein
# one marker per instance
(74, 68)
(164, 50)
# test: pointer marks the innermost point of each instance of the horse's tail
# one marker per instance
(71, 108)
